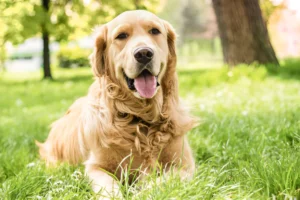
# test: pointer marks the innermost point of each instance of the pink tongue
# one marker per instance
(145, 84)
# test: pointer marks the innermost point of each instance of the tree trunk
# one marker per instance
(2, 57)
(243, 33)
(46, 51)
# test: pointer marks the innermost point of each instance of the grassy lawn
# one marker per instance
(247, 147)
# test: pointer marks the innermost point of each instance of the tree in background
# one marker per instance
(192, 21)
(59, 20)
(45, 35)
(170, 12)
(11, 30)
(243, 32)
(29, 18)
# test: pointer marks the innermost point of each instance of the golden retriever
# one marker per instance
(132, 114)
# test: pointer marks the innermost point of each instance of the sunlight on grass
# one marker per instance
(247, 146)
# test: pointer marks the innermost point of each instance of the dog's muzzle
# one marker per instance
(145, 83)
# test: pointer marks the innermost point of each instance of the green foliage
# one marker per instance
(268, 8)
(247, 146)
(70, 57)
(12, 16)
(65, 19)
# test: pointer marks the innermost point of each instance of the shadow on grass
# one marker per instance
(77, 78)
(203, 77)
(58, 79)
(289, 69)
(195, 72)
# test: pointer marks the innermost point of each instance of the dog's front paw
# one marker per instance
(106, 193)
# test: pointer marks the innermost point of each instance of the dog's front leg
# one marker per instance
(102, 182)
(175, 159)
(177, 156)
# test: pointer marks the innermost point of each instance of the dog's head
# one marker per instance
(135, 50)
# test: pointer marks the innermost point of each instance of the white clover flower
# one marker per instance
(58, 183)
(76, 175)
(245, 113)
(70, 186)
(49, 196)
(19, 102)
(219, 93)
(202, 106)
(59, 190)
(32, 164)
(49, 179)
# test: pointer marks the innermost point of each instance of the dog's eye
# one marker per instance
(122, 36)
(154, 31)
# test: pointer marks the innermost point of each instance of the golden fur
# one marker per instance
(112, 124)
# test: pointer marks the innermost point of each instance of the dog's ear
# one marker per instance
(171, 35)
(180, 121)
(170, 83)
(97, 58)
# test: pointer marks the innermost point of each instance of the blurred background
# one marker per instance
(38, 35)
(238, 69)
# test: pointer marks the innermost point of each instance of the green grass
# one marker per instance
(247, 147)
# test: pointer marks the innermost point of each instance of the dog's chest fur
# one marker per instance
(136, 145)
(129, 126)
(147, 139)
(132, 124)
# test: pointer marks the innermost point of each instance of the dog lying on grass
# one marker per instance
(132, 113)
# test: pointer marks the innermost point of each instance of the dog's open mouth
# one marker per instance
(145, 84)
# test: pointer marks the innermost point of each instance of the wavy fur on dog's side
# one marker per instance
(111, 123)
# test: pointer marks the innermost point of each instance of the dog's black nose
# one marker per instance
(143, 55)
